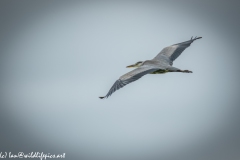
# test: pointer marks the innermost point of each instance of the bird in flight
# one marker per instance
(160, 64)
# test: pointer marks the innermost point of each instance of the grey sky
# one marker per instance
(58, 57)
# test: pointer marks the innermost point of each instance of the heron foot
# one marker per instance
(187, 71)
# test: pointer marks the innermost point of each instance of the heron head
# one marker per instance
(138, 64)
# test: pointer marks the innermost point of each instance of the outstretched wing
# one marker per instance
(172, 52)
(130, 77)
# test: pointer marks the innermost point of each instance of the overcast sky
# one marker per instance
(58, 57)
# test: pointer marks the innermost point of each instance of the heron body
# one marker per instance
(160, 64)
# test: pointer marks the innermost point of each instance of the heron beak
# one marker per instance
(131, 66)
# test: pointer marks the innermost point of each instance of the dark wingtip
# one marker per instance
(101, 97)
(197, 38)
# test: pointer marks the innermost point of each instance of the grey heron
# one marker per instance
(160, 64)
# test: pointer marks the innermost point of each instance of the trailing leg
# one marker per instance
(173, 69)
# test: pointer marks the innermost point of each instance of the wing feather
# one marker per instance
(128, 78)
(172, 52)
